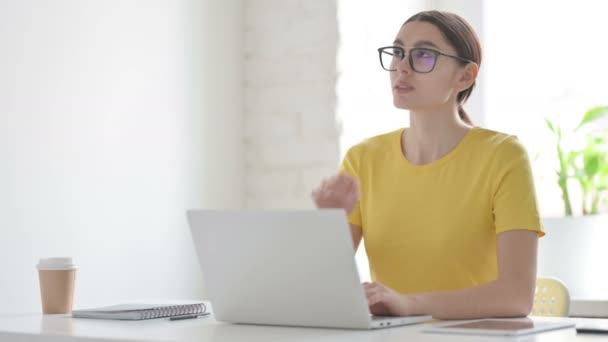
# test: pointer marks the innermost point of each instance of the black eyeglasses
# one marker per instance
(422, 60)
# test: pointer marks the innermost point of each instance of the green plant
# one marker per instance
(588, 165)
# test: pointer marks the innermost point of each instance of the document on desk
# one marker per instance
(142, 311)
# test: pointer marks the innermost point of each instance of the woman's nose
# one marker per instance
(404, 65)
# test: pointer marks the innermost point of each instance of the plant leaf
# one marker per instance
(572, 157)
(592, 164)
(592, 115)
(550, 125)
(586, 185)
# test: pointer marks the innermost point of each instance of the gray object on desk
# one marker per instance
(591, 325)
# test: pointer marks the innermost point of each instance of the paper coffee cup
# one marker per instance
(57, 282)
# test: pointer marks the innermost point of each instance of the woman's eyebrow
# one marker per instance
(427, 43)
(418, 43)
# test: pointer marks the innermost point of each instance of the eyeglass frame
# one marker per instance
(409, 57)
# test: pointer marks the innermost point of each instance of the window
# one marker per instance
(543, 58)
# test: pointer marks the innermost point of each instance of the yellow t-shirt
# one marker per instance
(433, 227)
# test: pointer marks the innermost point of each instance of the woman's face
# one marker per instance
(433, 91)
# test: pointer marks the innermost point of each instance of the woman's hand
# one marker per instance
(339, 191)
(384, 301)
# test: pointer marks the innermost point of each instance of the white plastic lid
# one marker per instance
(56, 264)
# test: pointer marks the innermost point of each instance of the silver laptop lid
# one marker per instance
(284, 267)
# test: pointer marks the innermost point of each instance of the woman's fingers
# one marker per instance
(341, 182)
(374, 295)
(374, 284)
(374, 299)
(338, 191)
(344, 180)
(372, 289)
(323, 185)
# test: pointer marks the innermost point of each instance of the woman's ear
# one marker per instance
(467, 76)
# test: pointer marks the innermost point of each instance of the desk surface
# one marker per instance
(55, 328)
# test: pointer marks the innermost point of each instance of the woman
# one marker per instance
(447, 210)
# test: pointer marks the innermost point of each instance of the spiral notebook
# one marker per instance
(142, 311)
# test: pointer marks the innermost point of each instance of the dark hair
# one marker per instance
(462, 37)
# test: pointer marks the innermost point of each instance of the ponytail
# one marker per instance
(464, 116)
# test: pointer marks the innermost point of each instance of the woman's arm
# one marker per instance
(510, 295)
(357, 234)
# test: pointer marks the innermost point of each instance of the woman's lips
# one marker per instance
(403, 89)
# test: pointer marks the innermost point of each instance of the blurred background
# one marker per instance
(118, 116)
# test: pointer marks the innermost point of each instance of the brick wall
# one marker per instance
(291, 138)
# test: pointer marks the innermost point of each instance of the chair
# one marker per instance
(551, 298)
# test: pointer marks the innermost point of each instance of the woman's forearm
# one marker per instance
(496, 299)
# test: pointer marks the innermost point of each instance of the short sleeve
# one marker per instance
(350, 165)
(514, 204)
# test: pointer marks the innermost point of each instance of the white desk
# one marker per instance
(59, 328)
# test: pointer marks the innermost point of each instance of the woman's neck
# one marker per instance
(432, 135)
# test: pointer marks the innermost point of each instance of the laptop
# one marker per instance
(283, 267)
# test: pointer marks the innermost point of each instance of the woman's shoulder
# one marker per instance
(497, 140)
(499, 144)
(380, 142)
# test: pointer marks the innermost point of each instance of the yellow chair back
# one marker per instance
(551, 298)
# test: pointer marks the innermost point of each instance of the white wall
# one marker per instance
(106, 138)
(574, 251)
(220, 30)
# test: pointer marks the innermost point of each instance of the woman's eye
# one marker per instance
(423, 54)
